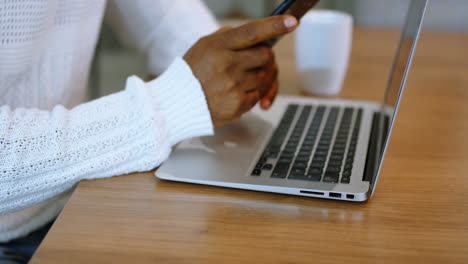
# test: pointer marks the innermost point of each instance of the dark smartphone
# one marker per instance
(296, 8)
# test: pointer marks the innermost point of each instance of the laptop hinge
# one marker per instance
(371, 159)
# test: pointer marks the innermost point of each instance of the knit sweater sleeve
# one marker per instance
(44, 153)
(162, 29)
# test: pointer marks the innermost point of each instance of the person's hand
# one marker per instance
(234, 71)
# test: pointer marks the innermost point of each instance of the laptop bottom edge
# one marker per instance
(334, 195)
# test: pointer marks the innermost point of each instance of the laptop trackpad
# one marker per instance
(227, 154)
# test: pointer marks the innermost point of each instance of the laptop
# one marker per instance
(303, 146)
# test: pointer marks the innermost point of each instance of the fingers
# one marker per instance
(259, 80)
(267, 101)
(250, 100)
(260, 84)
(256, 32)
(252, 81)
(223, 29)
(255, 57)
(271, 74)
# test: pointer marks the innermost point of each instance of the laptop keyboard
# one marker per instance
(319, 148)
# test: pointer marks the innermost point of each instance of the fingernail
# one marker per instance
(290, 22)
(266, 104)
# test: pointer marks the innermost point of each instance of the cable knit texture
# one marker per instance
(49, 139)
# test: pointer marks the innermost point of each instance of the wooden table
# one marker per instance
(418, 213)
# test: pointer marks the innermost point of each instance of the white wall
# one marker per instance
(252, 8)
(442, 14)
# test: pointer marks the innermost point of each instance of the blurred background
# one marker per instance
(442, 14)
(114, 63)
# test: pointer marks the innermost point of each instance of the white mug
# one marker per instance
(323, 46)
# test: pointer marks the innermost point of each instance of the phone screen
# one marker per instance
(296, 8)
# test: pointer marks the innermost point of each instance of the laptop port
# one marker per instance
(314, 193)
(335, 195)
(350, 196)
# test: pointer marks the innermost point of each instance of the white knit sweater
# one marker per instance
(49, 139)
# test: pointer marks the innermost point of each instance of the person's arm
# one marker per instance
(162, 29)
(43, 154)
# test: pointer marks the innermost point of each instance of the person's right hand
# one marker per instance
(234, 71)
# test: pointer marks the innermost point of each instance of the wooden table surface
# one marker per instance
(418, 213)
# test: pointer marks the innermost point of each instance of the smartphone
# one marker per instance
(296, 8)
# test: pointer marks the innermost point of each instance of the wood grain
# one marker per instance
(418, 213)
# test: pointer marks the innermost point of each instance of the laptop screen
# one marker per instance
(397, 78)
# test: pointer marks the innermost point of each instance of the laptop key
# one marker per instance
(297, 171)
(345, 180)
(256, 172)
(292, 150)
(340, 140)
(281, 170)
(321, 153)
(347, 173)
(317, 164)
(296, 134)
(268, 166)
(319, 159)
(277, 140)
(315, 178)
(285, 154)
(314, 171)
(340, 146)
(285, 160)
(323, 147)
(303, 158)
(270, 154)
(335, 163)
(336, 157)
(293, 142)
(299, 164)
(331, 177)
(306, 148)
(291, 146)
(338, 151)
(333, 169)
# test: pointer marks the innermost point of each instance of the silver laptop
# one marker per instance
(303, 146)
